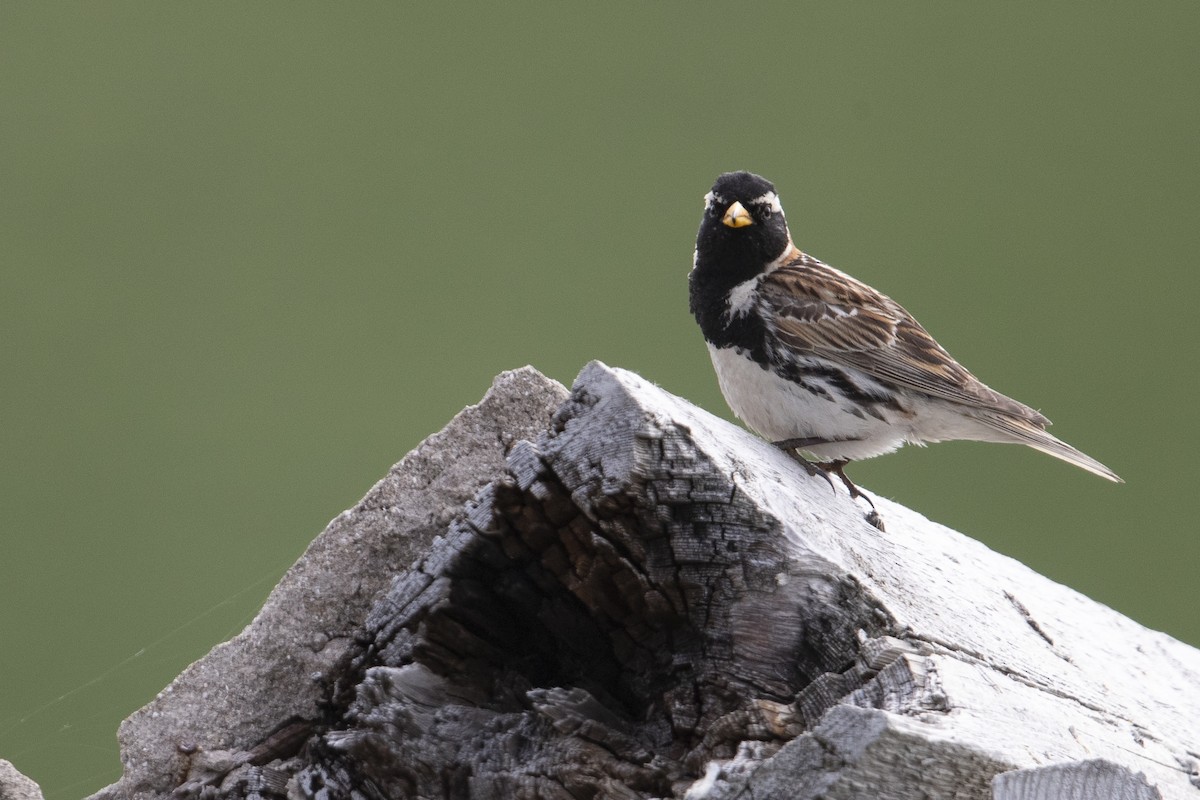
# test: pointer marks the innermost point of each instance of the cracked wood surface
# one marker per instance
(645, 601)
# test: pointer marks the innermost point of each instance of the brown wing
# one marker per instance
(824, 312)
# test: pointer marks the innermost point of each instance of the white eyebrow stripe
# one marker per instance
(769, 199)
(712, 197)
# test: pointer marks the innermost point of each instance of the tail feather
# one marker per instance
(1021, 431)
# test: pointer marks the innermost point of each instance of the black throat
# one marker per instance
(710, 283)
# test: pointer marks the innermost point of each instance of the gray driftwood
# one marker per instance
(640, 600)
(15, 786)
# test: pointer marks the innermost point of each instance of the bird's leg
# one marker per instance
(790, 446)
(839, 468)
(799, 443)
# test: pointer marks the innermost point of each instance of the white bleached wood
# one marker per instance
(15, 786)
(645, 601)
(1007, 663)
(1078, 780)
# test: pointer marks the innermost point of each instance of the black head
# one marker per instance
(743, 228)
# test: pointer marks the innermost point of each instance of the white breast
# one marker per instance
(777, 409)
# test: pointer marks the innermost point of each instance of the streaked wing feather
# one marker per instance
(823, 312)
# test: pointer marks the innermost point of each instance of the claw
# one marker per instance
(824, 469)
(838, 468)
(812, 469)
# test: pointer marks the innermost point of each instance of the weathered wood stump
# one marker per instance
(617, 595)
(15, 786)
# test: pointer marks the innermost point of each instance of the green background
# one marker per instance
(253, 253)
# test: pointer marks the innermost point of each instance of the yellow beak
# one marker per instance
(736, 216)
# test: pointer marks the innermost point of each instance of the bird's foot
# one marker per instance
(789, 446)
(838, 468)
(825, 468)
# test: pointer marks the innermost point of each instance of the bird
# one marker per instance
(821, 364)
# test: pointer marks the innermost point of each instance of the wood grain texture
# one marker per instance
(15, 786)
(645, 601)
(1077, 780)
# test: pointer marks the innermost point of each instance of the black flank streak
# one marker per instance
(869, 402)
